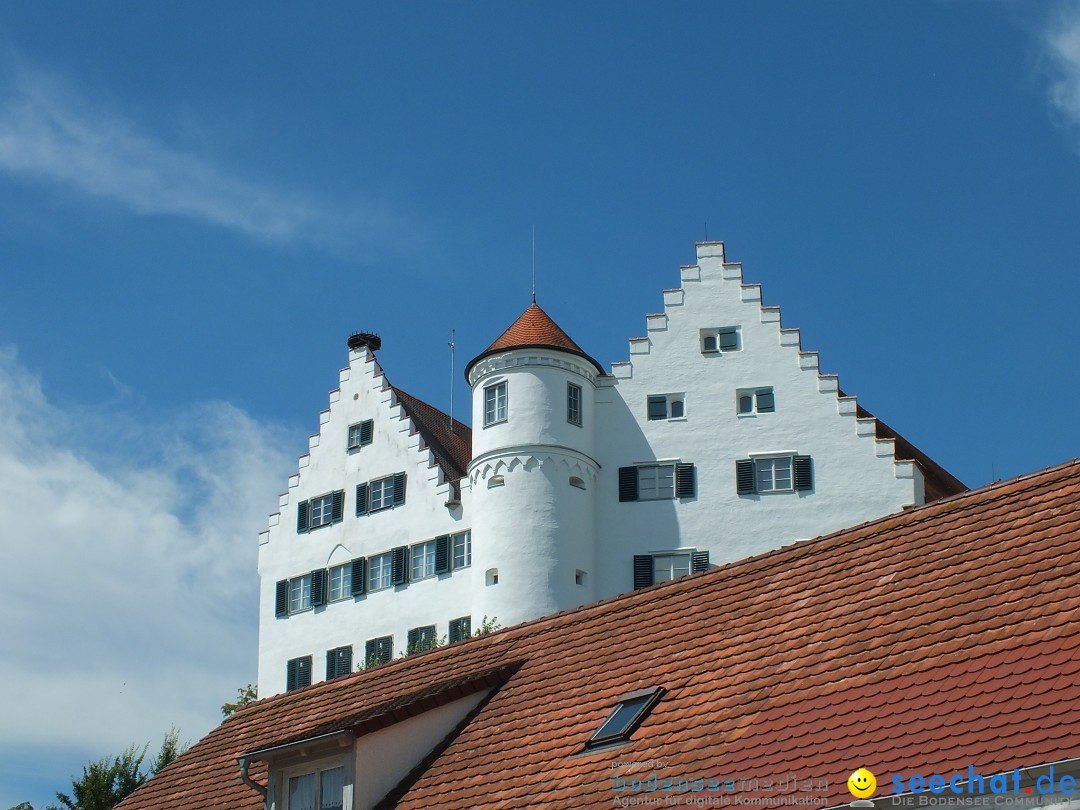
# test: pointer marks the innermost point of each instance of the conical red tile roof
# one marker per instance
(533, 329)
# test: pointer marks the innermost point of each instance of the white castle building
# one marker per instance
(718, 439)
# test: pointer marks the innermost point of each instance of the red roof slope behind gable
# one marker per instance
(930, 640)
(450, 440)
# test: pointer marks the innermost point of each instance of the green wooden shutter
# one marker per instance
(643, 571)
(290, 674)
(658, 408)
(337, 506)
(281, 598)
(318, 587)
(684, 480)
(301, 517)
(804, 473)
(331, 664)
(627, 483)
(361, 499)
(366, 431)
(699, 561)
(359, 576)
(414, 641)
(370, 652)
(460, 629)
(744, 476)
(729, 340)
(766, 402)
(303, 671)
(399, 488)
(442, 554)
(399, 565)
(384, 648)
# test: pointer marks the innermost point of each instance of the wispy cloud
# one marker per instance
(48, 132)
(130, 586)
(1061, 45)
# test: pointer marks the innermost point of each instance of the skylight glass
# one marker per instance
(628, 714)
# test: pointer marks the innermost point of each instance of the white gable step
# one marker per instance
(623, 370)
(770, 314)
(808, 360)
(690, 272)
(639, 345)
(847, 406)
(828, 383)
(324, 416)
(343, 375)
(673, 298)
(865, 426)
(313, 441)
(294, 479)
(264, 537)
(904, 469)
(731, 271)
(710, 250)
(656, 322)
(303, 461)
(751, 292)
(885, 448)
(790, 337)
(335, 395)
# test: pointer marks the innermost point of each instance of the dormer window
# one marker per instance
(628, 714)
(319, 790)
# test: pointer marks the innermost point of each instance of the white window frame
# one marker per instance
(422, 560)
(385, 497)
(461, 542)
(662, 474)
(573, 403)
(495, 403)
(344, 582)
(382, 566)
(672, 402)
(753, 393)
(300, 594)
(770, 463)
(321, 511)
(672, 567)
(316, 769)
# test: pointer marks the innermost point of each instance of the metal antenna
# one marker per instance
(534, 261)
(451, 345)
(706, 230)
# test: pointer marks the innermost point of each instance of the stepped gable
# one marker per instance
(452, 448)
(932, 639)
(533, 329)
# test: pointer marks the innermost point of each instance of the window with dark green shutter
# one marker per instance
(298, 673)
(399, 565)
(361, 499)
(338, 662)
(766, 402)
(744, 476)
(729, 339)
(627, 483)
(337, 507)
(804, 473)
(421, 639)
(643, 571)
(399, 489)
(460, 629)
(281, 598)
(318, 587)
(442, 554)
(658, 408)
(684, 480)
(360, 434)
(378, 651)
(359, 576)
(301, 517)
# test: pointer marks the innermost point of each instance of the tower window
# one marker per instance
(573, 404)
(495, 404)
(628, 714)
(491, 577)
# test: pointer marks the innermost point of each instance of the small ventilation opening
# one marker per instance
(579, 577)
(492, 576)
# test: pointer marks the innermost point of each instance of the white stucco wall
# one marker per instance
(329, 466)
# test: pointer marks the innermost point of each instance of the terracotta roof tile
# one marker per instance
(940, 637)
(534, 328)
(450, 440)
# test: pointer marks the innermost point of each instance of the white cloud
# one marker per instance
(1061, 43)
(48, 132)
(129, 592)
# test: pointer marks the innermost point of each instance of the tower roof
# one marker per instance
(534, 329)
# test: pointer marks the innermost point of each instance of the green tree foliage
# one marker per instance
(108, 781)
(244, 696)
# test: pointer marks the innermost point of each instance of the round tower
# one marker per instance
(533, 472)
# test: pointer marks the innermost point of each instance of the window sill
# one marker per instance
(493, 424)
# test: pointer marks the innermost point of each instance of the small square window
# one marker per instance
(380, 571)
(720, 339)
(422, 560)
(360, 434)
(666, 406)
(495, 404)
(573, 404)
(751, 401)
(462, 549)
(341, 582)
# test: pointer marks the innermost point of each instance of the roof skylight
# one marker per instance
(628, 714)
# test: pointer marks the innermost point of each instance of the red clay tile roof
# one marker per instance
(452, 448)
(929, 640)
(533, 329)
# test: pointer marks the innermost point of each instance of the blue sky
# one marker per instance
(200, 201)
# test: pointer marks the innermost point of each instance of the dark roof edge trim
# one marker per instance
(342, 736)
(548, 346)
